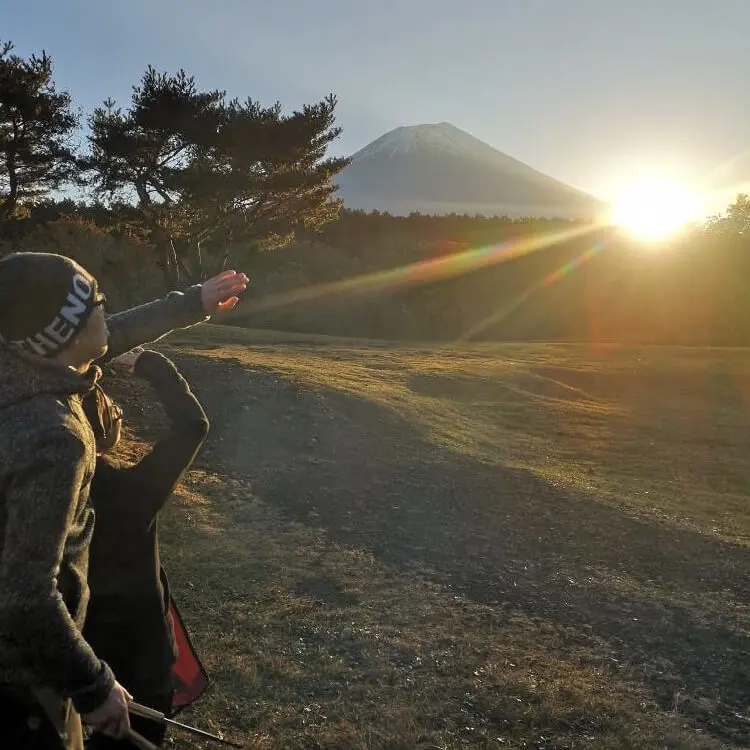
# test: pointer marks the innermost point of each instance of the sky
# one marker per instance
(595, 93)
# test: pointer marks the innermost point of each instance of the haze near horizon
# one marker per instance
(595, 94)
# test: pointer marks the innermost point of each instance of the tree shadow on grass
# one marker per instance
(659, 597)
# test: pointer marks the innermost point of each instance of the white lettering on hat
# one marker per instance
(59, 330)
(81, 286)
(76, 300)
(65, 324)
(40, 343)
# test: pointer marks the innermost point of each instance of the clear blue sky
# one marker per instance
(590, 91)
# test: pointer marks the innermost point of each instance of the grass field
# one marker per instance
(507, 546)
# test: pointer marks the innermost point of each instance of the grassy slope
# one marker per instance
(495, 546)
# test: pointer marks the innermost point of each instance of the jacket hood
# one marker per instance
(23, 376)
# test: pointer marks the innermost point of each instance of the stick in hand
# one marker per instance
(151, 713)
(140, 741)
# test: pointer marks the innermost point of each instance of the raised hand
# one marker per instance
(221, 293)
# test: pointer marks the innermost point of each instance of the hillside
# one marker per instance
(597, 287)
(391, 547)
(441, 169)
(379, 276)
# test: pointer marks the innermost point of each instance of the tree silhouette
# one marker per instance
(37, 126)
(206, 173)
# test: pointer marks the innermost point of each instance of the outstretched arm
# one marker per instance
(154, 320)
(154, 478)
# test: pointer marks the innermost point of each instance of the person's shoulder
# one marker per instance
(41, 424)
(49, 413)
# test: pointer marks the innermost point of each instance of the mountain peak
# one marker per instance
(431, 135)
(439, 168)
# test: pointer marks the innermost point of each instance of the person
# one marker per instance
(52, 330)
(128, 622)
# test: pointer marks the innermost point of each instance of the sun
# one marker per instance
(653, 209)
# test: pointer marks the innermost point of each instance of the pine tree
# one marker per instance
(207, 173)
(37, 126)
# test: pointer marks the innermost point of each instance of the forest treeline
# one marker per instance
(178, 183)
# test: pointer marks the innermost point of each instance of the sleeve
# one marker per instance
(154, 320)
(155, 477)
(41, 501)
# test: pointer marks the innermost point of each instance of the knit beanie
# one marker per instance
(45, 300)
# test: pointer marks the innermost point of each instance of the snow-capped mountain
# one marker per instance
(440, 169)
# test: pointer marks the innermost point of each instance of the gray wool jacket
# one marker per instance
(47, 461)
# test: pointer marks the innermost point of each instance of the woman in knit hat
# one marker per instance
(52, 329)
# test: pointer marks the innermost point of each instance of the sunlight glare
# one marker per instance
(656, 208)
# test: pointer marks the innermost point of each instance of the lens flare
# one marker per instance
(654, 209)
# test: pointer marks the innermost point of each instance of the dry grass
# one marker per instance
(653, 430)
(495, 546)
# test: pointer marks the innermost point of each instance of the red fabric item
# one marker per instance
(190, 678)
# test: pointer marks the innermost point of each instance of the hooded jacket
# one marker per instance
(47, 461)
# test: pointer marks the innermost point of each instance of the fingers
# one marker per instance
(227, 304)
(112, 717)
(220, 292)
(123, 727)
(227, 279)
(116, 727)
(236, 283)
(119, 729)
(128, 360)
(224, 289)
(232, 278)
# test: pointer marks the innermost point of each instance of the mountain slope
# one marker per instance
(439, 168)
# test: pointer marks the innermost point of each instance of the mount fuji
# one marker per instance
(441, 169)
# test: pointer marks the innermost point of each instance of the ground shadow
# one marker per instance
(498, 535)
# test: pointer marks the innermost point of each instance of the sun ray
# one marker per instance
(515, 302)
(421, 272)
